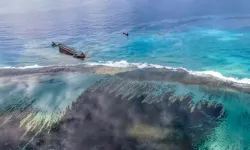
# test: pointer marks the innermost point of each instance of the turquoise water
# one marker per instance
(193, 47)
(198, 36)
(197, 40)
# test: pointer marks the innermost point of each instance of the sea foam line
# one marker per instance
(125, 64)
(208, 73)
(24, 67)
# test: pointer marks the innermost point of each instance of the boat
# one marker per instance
(68, 50)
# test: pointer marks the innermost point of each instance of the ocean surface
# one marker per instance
(176, 36)
(207, 41)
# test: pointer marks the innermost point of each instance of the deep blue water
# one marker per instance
(195, 34)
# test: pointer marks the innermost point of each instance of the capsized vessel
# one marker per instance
(68, 50)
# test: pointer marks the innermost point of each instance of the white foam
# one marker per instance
(24, 67)
(125, 64)
(218, 75)
(209, 73)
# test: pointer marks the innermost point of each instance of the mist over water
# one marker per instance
(38, 101)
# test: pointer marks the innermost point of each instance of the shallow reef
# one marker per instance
(118, 113)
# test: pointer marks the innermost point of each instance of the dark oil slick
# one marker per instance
(113, 113)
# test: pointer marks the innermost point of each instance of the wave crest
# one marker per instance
(209, 73)
(141, 71)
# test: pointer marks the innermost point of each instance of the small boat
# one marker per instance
(125, 33)
(68, 50)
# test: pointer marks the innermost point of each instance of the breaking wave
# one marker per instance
(209, 73)
(24, 67)
(152, 71)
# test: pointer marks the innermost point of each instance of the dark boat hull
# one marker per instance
(61, 50)
(69, 51)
